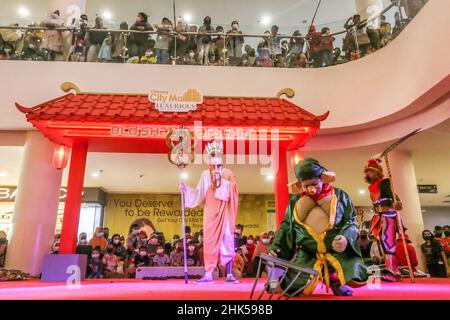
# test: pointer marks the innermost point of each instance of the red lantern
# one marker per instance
(60, 157)
(295, 157)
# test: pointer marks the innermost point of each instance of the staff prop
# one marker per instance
(179, 155)
(391, 180)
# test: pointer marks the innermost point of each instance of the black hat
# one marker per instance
(308, 168)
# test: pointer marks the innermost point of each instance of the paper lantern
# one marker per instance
(295, 157)
(60, 157)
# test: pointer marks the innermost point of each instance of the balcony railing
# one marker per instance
(187, 45)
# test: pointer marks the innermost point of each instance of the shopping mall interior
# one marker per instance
(84, 144)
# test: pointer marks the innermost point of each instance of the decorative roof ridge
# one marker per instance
(25, 110)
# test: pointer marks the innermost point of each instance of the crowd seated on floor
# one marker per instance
(117, 256)
(205, 44)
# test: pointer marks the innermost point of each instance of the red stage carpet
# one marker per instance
(128, 289)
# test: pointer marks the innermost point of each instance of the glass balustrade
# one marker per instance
(182, 43)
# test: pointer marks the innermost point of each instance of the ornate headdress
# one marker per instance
(374, 165)
(215, 148)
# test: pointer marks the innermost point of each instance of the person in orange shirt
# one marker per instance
(98, 240)
(238, 264)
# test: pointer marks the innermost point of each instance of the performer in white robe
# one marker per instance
(217, 190)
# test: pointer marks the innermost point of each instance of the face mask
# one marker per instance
(55, 16)
(235, 26)
(191, 54)
(200, 239)
(116, 241)
(160, 251)
(250, 242)
(99, 234)
(265, 241)
(191, 248)
(143, 254)
(428, 237)
(135, 232)
(83, 241)
(95, 256)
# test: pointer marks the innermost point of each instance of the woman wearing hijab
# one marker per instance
(98, 240)
(250, 245)
(261, 247)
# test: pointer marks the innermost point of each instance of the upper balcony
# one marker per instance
(374, 89)
(313, 44)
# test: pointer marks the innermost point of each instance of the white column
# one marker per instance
(405, 185)
(35, 207)
(367, 8)
(68, 8)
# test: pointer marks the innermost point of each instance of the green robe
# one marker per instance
(296, 241)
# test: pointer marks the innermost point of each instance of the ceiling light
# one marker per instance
(187, 18)
(362, 191)
(265, 20)
(23, 12)
(95, 174)
(107, 15)
(3, 174)
(269, 177)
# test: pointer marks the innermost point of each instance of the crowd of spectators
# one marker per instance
(435, 250)
(117, 256)
(204, 44)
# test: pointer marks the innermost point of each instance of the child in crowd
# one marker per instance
(176, 256)
(238, 264)
(142, 259)
(110, 261)
(153, 245)
(128, 266)
(160, 259)
(95, 266)
(192, 256)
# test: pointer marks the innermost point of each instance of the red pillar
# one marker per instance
(68, 241)
(281, 181)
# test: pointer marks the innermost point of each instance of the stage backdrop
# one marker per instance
(164, 212)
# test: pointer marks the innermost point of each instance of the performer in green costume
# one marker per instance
(319, 231)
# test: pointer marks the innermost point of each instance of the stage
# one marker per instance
(130, 289)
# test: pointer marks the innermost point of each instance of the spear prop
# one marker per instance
(384, 155)
(182, 136)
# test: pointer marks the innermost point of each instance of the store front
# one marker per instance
(91, 213)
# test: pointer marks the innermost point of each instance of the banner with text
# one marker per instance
(163, 213)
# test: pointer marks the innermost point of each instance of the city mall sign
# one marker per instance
(166, 101)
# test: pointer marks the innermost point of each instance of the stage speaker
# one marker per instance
(70, 268)
(170, 272)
